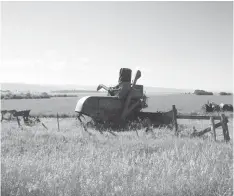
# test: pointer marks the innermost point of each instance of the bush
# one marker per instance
(202, 92)
(28, 96)
(224, 93)
(8, 96)
(45, 95)
(14, 96)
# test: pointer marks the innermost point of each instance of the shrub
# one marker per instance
(45, 95)
(202, 92)
(224, 93)
(28, 96)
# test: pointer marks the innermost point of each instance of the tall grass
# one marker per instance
(72, 162)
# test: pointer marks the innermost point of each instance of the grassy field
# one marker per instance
(66, 105)
(71, 162)
(38, 162)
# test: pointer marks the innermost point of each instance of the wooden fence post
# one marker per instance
(227, 131)
(225, 128)
(58, 121)
(212, 127)
(18, 121)
(174, 119)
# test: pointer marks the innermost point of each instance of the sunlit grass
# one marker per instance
(72, 162)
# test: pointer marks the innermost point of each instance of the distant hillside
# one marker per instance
(69, 88)
(74, 91)
(165, 90)
(42, 88)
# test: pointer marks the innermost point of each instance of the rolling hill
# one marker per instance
(48, 88)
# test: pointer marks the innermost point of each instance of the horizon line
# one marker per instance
(193, 89)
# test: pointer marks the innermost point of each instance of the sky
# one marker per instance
(184, 45)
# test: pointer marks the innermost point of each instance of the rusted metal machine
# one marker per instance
(28, 120)
(122, 105)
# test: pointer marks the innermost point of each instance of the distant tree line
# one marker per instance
(202, 92)
(28, 95)
(75, 91)
(64, 95)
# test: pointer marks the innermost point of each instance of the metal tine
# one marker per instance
(38, 120)
(100, 131)
(78, 117)
(82, 116)
(137, 133)
(44, 125)
(111, 132)
(96, 128)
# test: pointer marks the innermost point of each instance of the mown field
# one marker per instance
(66, 105)
(38, 162)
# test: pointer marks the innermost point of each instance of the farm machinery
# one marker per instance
(123, 105)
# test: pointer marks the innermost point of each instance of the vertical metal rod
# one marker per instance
(174, 119)
(58, 121)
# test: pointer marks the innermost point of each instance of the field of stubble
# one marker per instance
(36, 161)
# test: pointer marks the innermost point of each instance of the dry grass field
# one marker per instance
(36, 161)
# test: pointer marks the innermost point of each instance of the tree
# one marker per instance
(202, 92)
(45, 95)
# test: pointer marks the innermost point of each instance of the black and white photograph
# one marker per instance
(116, 98)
